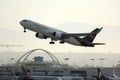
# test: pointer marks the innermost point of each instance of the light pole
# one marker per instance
(66, 59)
(1, 62)
(118, 65)
(102, 59)
(92, 62)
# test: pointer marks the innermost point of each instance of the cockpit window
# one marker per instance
(25, 20)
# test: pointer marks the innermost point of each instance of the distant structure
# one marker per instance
(38, 58)
(40, 65)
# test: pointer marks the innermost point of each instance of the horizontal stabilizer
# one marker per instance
(99, 43)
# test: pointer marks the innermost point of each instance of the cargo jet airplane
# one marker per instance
(44, 32)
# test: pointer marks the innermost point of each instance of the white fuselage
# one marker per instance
(45, 30)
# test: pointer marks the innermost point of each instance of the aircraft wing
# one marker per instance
(68, 35)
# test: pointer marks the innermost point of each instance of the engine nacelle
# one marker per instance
(56, 35)
(41, 36)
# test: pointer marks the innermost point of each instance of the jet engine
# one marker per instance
(41, 36)
(56, 35)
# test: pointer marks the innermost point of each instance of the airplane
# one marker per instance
(44, 32)
(101, 76)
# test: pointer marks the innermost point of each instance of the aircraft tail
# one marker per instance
(100, 74)
(90, 37)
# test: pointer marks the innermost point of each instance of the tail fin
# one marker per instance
(100, 74)
(90, 37)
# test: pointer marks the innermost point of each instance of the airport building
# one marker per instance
(39, 67)
(38, 70)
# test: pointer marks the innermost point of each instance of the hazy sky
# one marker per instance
(67, 15)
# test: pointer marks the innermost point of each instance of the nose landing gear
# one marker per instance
(24, 29)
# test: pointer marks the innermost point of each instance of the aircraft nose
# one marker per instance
(21, 22)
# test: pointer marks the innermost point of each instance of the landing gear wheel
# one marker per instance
(52, 42)
(24, 30)
(61, 42)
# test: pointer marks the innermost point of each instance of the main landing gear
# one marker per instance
(24, 30)
(61, 42)
(52, 41)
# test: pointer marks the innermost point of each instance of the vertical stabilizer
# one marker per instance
(90, 37)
